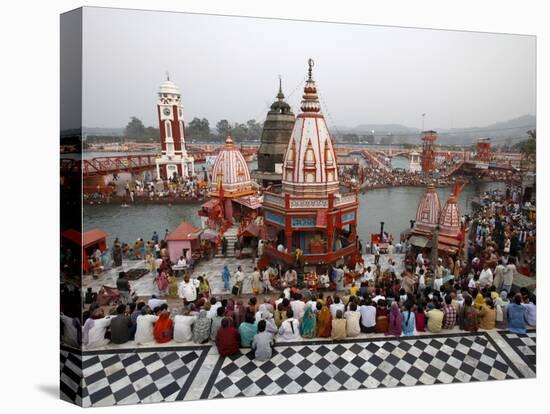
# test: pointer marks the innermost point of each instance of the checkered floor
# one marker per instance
(156, 375)
(371, 364)
(130, 378)
(525, 346)
(70, 387)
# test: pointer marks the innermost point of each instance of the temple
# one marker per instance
(233, 197)
(275, 135)
(433, 222)
(311, 218)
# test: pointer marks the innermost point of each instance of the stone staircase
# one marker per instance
(231, 236)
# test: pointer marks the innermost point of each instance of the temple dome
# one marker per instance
(449, 220)
(429, 208)
(230, 170)
(309, 166)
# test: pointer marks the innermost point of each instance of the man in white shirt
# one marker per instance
(368, 317)
(291, 277)
(324, 281)
(266, 283)
(182, 261)
(154, 302)
(144, 327)
(486, 276)
(298, 306)
(367, 275)
(336, 306)
(352, 317)
(499, 275)
(188, 289)
(290, 328)
(378, 296)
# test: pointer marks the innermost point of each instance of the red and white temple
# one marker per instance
(446, 221)
(311, 211)
(173, 160)
(230, 184)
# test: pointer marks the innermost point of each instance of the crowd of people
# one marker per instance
(371, 177)
(454, 293)
(138, 191)
(405, 305)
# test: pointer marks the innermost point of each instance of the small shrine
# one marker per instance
(234, 203)
(438, 225)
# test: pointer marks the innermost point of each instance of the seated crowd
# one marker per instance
(232, 325)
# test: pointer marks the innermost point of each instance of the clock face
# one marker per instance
(166, 111)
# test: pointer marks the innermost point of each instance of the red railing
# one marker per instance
(109, 165)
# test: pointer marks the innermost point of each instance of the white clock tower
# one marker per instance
(173, 160)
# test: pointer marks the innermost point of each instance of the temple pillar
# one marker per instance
(288, 235)
(228, 209)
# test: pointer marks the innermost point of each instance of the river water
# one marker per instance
(395, 206)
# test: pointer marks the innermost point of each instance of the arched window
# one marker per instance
(168, 128)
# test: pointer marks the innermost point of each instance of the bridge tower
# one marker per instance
(428, 151)
(174, 161)
(483, 149)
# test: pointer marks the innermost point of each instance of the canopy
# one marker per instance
(86, 239)
(419, 241)
(449, 241)
(210, 234)
(251, 201)
(254, 230)
(210, 204)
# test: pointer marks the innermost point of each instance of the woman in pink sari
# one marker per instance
(396, 321)
(162, 282)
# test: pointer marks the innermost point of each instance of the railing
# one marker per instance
(274, 199)
(347, 199)
(106, 165)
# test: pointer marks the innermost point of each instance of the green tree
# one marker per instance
(135, 128)
(254, 130)
(152, 133)
(199, 127)
(530, 147)
(239, 131)
(224, 128)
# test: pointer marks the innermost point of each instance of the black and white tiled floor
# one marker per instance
(170, 374)
(351, 366)
(525, 346)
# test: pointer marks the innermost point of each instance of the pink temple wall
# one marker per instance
(175, 249)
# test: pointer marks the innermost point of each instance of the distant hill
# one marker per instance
(513, 130)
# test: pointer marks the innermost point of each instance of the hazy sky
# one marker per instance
(227, 67)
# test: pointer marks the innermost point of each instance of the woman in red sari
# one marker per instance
(324, 321)
(164, 328)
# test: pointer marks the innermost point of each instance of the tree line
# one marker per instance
(198, 128)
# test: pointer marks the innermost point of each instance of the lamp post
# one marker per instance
(423, 115)
(435, 246)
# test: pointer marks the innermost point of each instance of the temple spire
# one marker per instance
(310, 99)
(280, 95)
